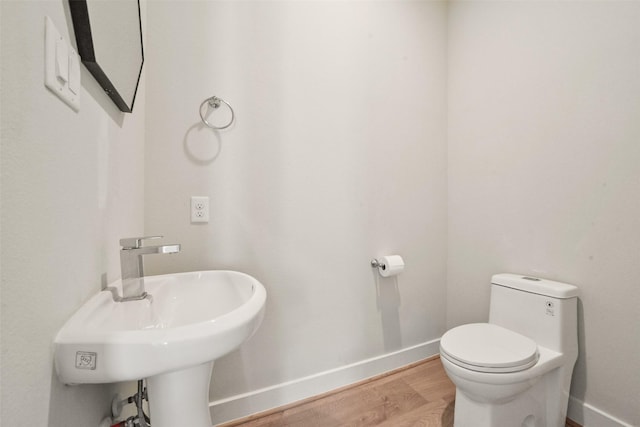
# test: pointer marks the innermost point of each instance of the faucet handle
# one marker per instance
(135, 242)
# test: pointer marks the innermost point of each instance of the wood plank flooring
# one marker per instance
(419, 394)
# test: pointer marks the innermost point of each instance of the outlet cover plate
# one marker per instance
(199, 209)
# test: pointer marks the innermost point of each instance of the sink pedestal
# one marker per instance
(180, 398)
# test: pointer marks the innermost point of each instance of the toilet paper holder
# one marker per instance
(390, 265)
(377, 264)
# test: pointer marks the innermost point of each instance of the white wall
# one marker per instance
(338, 155)
(72, 185)
(544, 148)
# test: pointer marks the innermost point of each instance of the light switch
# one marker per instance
(74, 71)
(62, 66)
(62, 60)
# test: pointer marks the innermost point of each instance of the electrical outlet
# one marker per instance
(199, 209)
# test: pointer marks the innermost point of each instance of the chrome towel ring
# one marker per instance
(215, 102)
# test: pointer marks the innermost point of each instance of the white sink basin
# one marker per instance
(190, 319)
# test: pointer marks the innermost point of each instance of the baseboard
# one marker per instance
(242, 405)
(590, 416)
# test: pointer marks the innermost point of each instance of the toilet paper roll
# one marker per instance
(391, 265)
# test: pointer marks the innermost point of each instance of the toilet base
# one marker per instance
(523, 411)
(531, 408)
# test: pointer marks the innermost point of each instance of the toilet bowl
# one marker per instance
(515, 371)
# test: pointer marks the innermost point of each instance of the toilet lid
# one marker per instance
(486, 347)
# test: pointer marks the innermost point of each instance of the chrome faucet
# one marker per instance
(133, 268)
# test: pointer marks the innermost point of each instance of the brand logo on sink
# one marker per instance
(86, 360)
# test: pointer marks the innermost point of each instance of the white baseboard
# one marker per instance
(590, 416)
(242, 405)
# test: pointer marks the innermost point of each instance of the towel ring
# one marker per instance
(215, 102)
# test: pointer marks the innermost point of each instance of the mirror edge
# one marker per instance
(84, 41)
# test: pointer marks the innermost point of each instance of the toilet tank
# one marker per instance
(543, 310)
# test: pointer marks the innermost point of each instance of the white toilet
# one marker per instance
(515, 371)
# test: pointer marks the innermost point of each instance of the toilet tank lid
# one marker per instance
(535, 285)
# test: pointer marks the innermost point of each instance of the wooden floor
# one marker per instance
(420, 394)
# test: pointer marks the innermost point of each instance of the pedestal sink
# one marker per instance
(170, 338)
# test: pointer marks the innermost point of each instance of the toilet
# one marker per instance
(515, 371)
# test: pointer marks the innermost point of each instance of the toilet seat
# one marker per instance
(485, 347)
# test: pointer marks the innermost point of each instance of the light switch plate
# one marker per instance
(62, 66)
